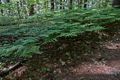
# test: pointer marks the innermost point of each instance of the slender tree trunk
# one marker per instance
(116, 3)
(46, 5)
(8, 0)
(5, 1)
(85, 3)
(1, 10)
(80, 3)
(31, 10)
(61, 4)
(71, 4)
(18, 9)
(52, 5)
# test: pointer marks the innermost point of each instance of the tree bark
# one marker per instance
(116, 3)
(31, 10)
(85, 3)
(61, 5)
(79, 3)
(71, 4)
(1, 10)
(52, 5)
(3, 2)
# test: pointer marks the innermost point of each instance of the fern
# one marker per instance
(50, 26)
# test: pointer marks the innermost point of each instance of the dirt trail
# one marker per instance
(106, 69)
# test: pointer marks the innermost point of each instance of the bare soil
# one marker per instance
(90, 58)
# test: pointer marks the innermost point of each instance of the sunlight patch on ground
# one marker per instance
(112, 46)
(94, 69)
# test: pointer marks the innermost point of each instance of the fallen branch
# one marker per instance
(6, 71)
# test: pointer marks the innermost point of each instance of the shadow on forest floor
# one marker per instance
(81, 58)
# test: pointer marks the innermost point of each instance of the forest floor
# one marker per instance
(100, 61)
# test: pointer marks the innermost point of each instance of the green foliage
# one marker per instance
(51, 26)
(5, 20)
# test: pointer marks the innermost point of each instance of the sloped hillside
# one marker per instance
(58, 44)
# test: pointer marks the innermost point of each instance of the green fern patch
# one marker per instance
(37, 30)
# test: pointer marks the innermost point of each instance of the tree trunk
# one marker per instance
(31, 10)
(116, 3)
(71, 4)
(61, 4)
(85, 3)
(4, 1)
(46, 5)
(52, 5)
(79, 3)
(1, 10)
(8, 0)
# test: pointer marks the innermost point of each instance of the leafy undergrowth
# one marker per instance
(27, 36)
(59, 57)
(57, 40)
